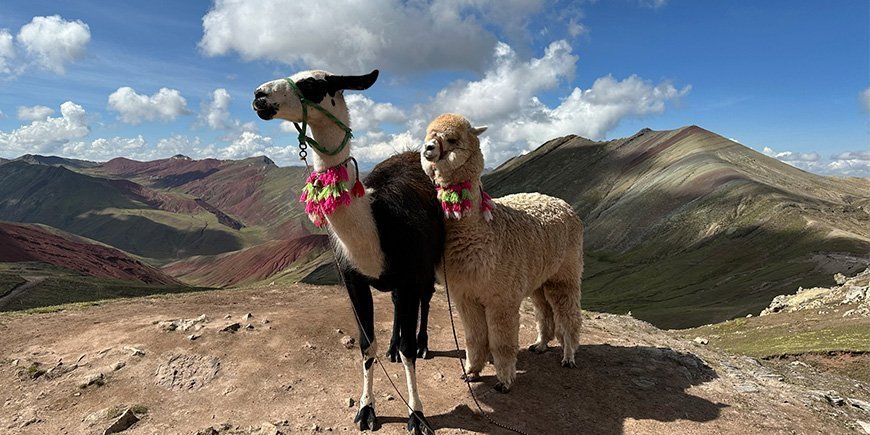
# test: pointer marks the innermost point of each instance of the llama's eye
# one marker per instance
(451, 141)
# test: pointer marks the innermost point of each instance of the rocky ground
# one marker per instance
(276, 360)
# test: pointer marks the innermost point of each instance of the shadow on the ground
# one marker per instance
(610, 384)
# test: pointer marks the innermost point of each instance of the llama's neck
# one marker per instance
(352, 227)
(474, 215)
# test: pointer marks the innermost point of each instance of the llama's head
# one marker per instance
(279, 99)
(451, 153)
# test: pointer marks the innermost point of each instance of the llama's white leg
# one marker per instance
(368, 397)
(411, 379)
(476, 336)
(504, 329)
(544, 320)
(564, 298)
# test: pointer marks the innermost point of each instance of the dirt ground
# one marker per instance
(291, 373)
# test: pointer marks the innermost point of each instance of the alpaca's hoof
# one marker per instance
(502, 388)
(393, 354)
(366, 418)
(423, 353)
(538, 348)
(418, 425)
(569, 364)
(470, 377)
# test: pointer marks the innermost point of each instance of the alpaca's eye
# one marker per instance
(451, 141)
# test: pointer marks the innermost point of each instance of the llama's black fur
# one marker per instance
(410, 228)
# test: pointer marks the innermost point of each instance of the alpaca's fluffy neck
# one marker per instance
(352, 227)
(473, 216)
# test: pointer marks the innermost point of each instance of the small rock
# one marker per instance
(389, 397)
(193, 337)
(339, 331)
(249, 326)
(93, 379)
(864, 425)
(438, 376)
(315, 428)
(134, 351)
(839, 278)
(228, 316)
(749, 315)
(248, 316)
(232, 327)
(349, 402)
(118, 365)
(124, 422)
(15, 363)
(348, 341)
(700, 340)
(748, 387)
(799, 363)
(308, 345)
(860, 404)
(266, 321)
(833, 398)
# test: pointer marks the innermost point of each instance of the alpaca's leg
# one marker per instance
(545, 323)
(476, 336)
(504, 328)
(361, 297)
(423, 336)
(408, 304)
(564, 298)
(393, 350)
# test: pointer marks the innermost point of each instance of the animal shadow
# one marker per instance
(610, 384)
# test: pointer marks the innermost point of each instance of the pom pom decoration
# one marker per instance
(325, 191)
(456, 201)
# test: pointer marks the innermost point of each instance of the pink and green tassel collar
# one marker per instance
(456, 200)
(325, 191)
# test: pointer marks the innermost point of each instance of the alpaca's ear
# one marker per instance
(478, 130)
(356, 83)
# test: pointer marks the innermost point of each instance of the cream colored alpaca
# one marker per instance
(533, 246)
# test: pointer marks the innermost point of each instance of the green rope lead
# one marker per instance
(303, 138)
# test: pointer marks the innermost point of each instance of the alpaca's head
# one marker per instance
(278, 99)
(451, 153)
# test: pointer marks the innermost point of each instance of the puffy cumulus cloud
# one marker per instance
(365, 114)
(249, 144)
(53, 41)
(7, 51)
(216, 111)
(376, 146)
(509, 85)
(102, 149)
(48, 134)
(789, 156)
(179, 144)
(133, 108)
(851, 163)
(348, 35)
(864, 99)
(34, 113)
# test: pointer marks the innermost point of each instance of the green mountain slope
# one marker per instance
(686, 227)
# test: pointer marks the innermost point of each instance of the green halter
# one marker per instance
(303, 138)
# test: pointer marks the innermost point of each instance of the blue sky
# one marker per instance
(148, 80)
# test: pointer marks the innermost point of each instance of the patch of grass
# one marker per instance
(34, 371)
(139, 409)
(8, 281)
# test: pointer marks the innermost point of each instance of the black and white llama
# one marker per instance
(387, 231)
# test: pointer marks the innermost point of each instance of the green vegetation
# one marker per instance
(55, 286)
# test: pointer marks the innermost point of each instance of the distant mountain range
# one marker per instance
(683, 227)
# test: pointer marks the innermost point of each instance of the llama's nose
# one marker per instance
(429, 152)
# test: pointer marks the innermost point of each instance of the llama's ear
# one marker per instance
(356, 83)
(478, 130)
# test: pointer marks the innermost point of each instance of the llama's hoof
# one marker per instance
(538, 349)
(393, 354)
(418, 425)
(470, 377)
(502, 388)
(423, 353)
(366, 418)
(569, 364)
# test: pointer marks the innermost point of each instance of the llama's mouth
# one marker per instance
(433, 151)
(264, 109)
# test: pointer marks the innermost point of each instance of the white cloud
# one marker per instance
(34, 113)
(133, 108)
(249, 144)
(354, 36)
(864, 99)
(365, 114)
(376, 146)
(49, 134)
(7, 51)
(216, 111)
(102, 149)
(655, 4)
(789, 156)
(52, 41)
